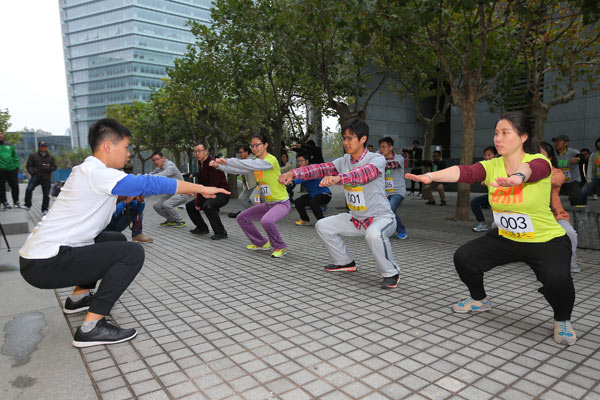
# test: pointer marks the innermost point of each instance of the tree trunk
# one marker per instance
(429, 131)
(468, 144)
(177, 156)
(539, 111)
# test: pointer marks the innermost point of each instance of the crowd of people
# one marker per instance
(523, 179)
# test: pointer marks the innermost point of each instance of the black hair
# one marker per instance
(438, 152)
(246, 148)
(281, 164)
(415, 142)
(302, 155)
(260, 136)
(492, 149)
(201, 142)
(157, 153)
(358, 127)
(311, 143)
(548, 148)
(522, 125)
(387, 140)
(106, 129)
(597, 144)
(584, 149)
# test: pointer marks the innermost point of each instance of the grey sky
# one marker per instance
(33, 75)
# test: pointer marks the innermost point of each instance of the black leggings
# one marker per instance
(112, 258)
(550, 261)
(315, 204)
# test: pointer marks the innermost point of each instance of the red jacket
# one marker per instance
(210, 176)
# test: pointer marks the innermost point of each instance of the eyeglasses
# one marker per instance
(199, 151)
(255, 146)
(348, 138)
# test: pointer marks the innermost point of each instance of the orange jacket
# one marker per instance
(558, 178)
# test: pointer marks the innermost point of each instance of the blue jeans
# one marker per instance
(476, 205)
(33, 183)
(128, 218)
(589, 189)
(395, 201)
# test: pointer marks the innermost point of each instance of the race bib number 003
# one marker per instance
(355, 198)
(389, 184)
(514, 225)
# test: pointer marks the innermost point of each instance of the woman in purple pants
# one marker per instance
(266, 171)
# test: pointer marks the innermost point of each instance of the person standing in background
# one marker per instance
(9, 171)
(40, 166)
(567, 159)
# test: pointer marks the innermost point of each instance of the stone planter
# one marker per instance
(587, 225)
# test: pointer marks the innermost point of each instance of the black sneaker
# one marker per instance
(219, 236)
(72, 307)
(103, 333)
(390, 282)
(6, 206)
(351, 267)
(443, 203)
(198, 231)
(233, 215)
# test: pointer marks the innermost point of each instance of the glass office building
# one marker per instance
(117, 51)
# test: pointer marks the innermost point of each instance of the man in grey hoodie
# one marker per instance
(166, 205)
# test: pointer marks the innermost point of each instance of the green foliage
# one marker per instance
(4, 118)
(72, 158)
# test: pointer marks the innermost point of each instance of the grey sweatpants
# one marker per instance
(166, 206)
(331, 230)
(573, 237)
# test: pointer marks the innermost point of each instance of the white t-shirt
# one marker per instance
(82, 210)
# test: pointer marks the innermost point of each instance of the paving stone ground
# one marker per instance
(216, 321)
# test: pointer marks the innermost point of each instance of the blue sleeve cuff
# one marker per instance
(119, 209)
(145, 185)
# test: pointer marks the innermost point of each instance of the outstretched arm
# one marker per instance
(314, 171)
(239, 167)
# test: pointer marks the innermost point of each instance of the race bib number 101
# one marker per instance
(355, 198)
(514, 225)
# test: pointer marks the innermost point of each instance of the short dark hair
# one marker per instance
(437, 152)
(492, 149)
(584, 149)
(246, 148)
(358, 127)
(311, 143)
(301, 155)
(387, 140)
(157, 153)
(597, 144)
(201, 142)
(106, 129)
(522, 125)
(415, 142)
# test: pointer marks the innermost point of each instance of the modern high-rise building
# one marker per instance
(117, 51)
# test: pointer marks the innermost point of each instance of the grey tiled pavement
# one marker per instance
(218, 322)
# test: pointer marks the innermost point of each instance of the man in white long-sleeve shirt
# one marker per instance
(167, 204)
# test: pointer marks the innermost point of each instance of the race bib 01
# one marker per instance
(355, 198)
(514, 225)
(389, 184)
(265, 190)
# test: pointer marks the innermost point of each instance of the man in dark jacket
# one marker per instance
(213, 177)
(40, 166)
(9, 172)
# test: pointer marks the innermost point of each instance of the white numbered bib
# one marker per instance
(355, 198)
(567, 173)
(265, 190)
(514, 225)
(389, 184)
(256, 197)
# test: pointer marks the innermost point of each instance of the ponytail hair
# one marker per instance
(522, 125)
